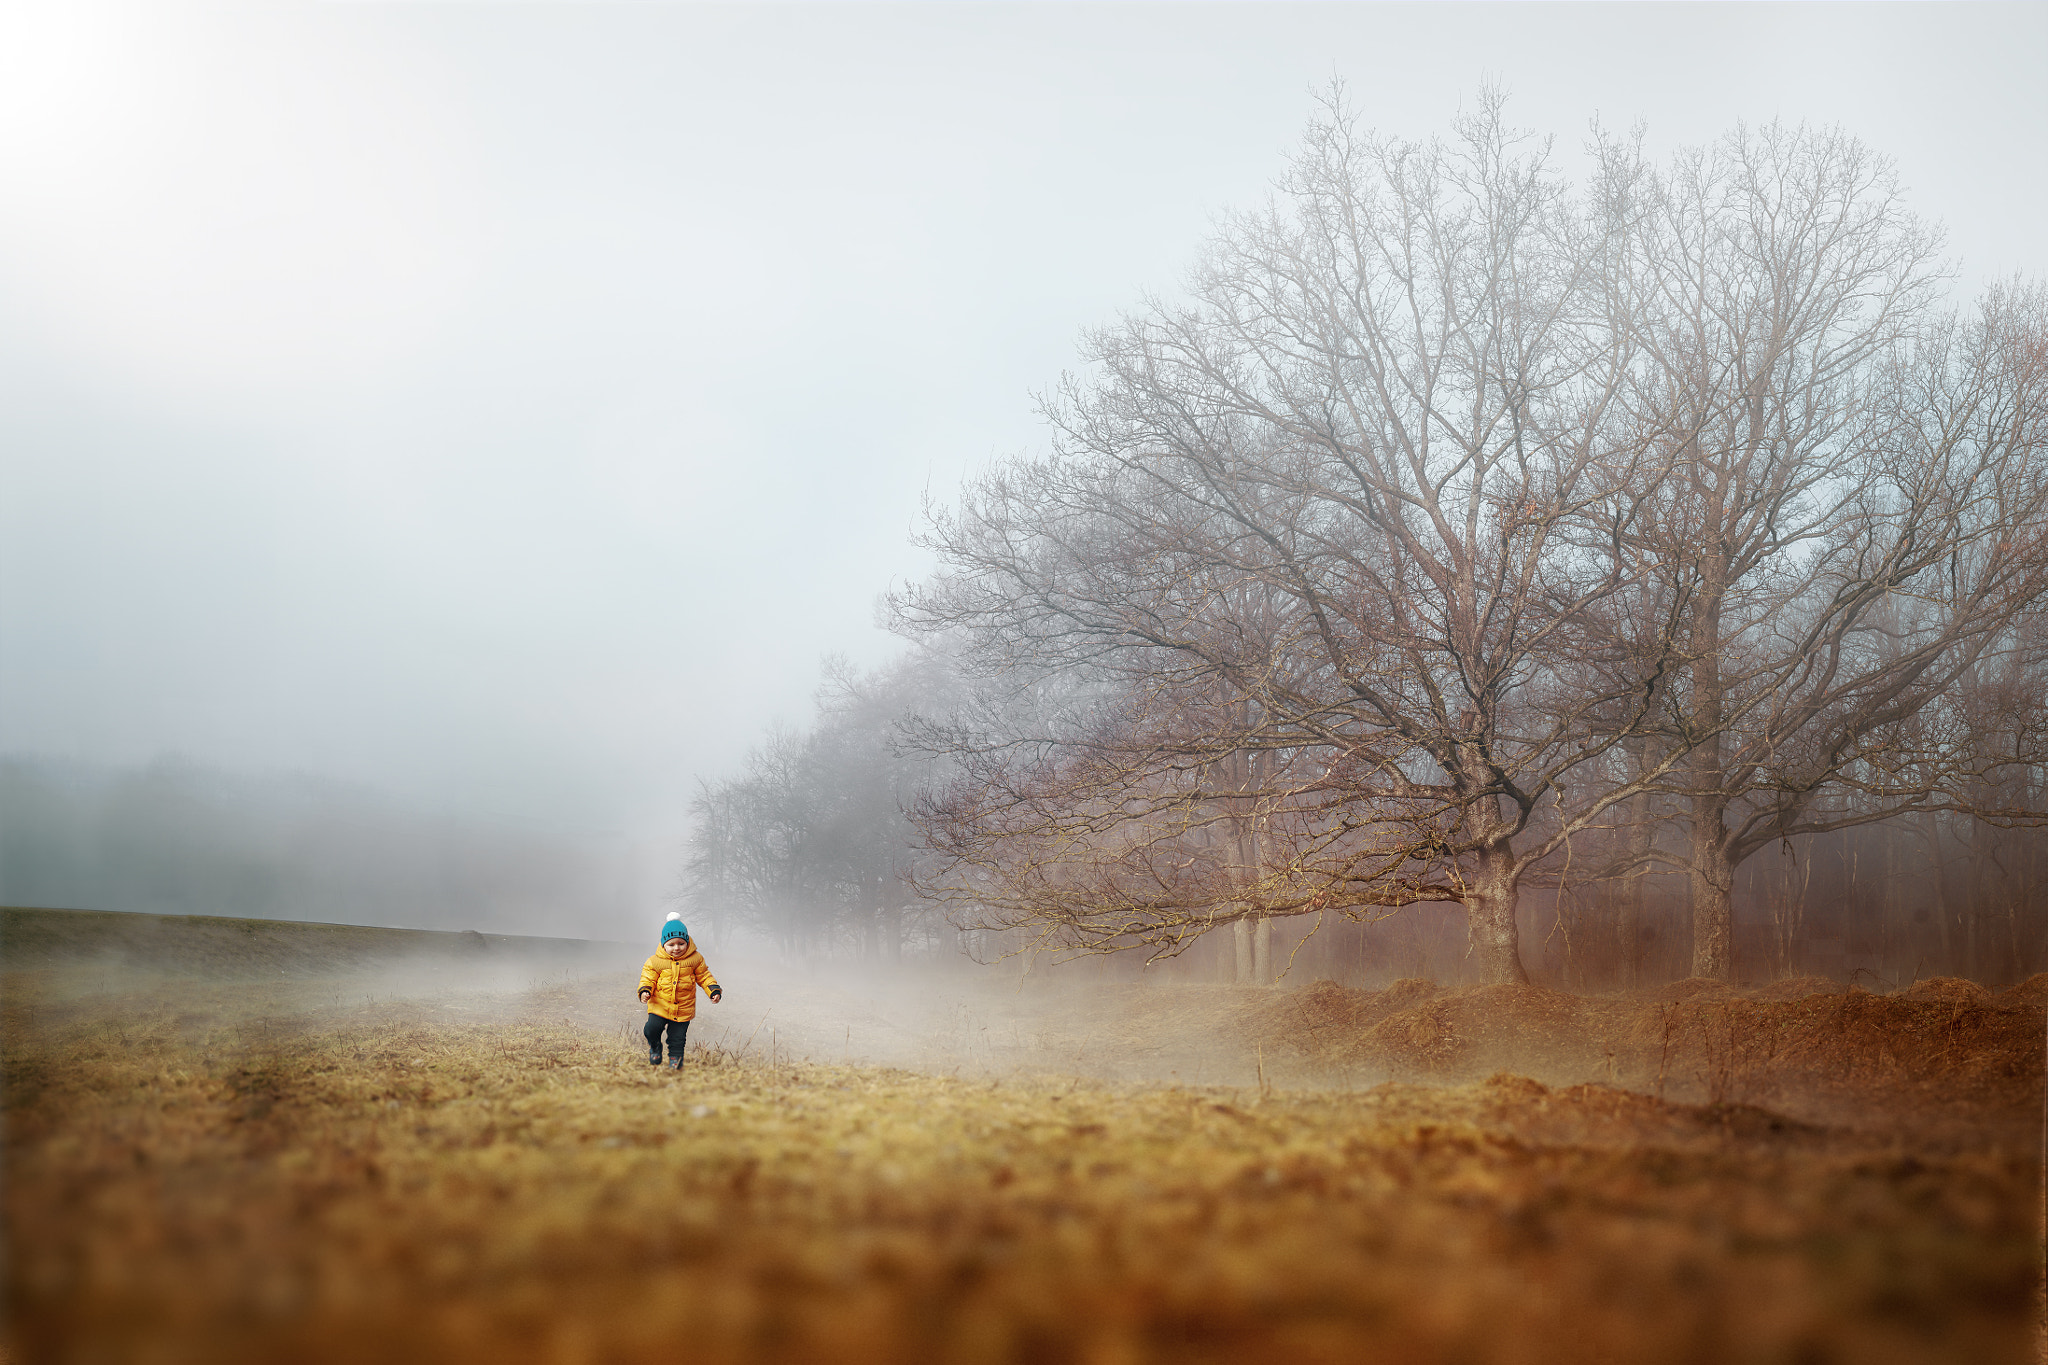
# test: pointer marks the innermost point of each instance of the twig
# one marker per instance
(755, 1034)
(1664, 1057)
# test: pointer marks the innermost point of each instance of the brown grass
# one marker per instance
(261, 1172)
(1942, 1056)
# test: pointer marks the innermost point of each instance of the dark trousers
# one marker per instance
(678, 1029)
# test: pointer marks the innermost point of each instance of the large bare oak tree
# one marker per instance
(1347, 522)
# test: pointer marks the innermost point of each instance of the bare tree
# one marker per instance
(1372, 487)
(1090, 816)
(1853, 513)
(750, 844)
(811, 840)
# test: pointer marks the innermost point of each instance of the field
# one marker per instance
(250, 1143)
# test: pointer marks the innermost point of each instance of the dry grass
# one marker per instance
(255, 1173)
(1944, 1055)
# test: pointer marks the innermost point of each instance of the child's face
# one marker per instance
(676, 947)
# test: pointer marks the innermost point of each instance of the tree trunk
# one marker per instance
(1713, 880)
(1262, 951)
(1241, 939)
(1629, 929)
(1977, 951)
(1244, 933)
(1896, 953)
(1713, 906)
(1490, 918)
(1934, 864)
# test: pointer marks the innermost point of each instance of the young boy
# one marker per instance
(668, 983)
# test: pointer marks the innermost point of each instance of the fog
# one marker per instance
(436, 436)
(177, 838)
(944, 1016)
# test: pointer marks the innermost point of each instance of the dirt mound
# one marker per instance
(1948, 990)
(1951, 1036)
(1487, 1026)
(1798, 988)
(1408, 992)
(1692, 988)
(1817, 1050)
(1327, 1005)
(1325, 1019)
(2032, 993)
(1412, 1024)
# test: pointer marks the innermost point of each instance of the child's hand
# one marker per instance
(646, 994)
(715, 992)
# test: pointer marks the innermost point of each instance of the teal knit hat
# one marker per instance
(675, 928)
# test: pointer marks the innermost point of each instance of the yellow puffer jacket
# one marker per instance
(674, 983)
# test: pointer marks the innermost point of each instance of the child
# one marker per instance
(668, 983)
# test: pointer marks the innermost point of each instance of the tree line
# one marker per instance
(1463, 534)
(809, 842)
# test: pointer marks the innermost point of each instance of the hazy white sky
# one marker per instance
(509, 404)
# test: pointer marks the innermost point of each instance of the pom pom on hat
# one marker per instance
(675, 928)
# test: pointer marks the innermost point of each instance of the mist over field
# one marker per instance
(179, 838)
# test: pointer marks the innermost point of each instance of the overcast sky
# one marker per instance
(507, 405)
